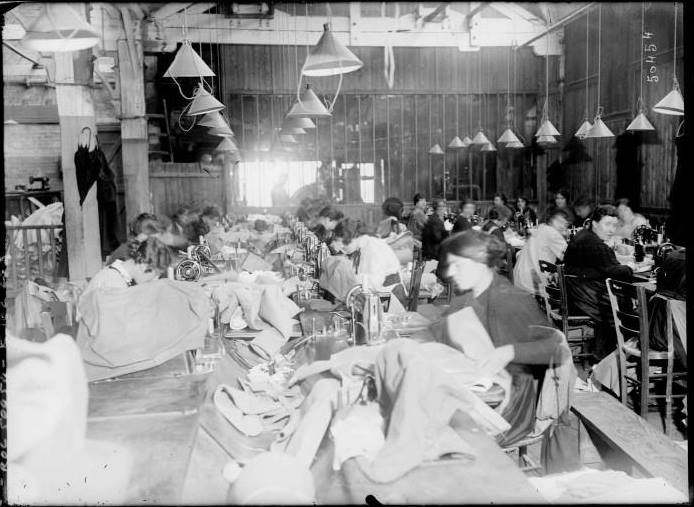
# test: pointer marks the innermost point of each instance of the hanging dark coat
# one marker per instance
(92, 167)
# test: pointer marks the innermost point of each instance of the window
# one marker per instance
(258, 178)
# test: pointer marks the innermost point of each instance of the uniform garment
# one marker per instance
(507, 313)
(122, 330)
(417, 221)
(433, 234)
(505, 213)
(420, 387)
(113, 276)
(626, 229)
(525, 218)
(544, 244)
(592, 261)
(388, 226)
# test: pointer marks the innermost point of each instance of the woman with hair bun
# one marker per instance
(509, 315)
(146, 260)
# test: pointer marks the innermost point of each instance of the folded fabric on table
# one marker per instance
(261, 304)
(131, 329)
(337, 276)
(421, 386)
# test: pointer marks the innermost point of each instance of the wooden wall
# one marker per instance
(592, 167)
(437, 93)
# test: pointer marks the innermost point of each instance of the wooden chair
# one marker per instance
(630, 312)
(415, 282)
(556, 304)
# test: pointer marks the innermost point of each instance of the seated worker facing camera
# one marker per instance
(509, 316)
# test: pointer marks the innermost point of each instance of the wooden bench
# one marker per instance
(627, 442)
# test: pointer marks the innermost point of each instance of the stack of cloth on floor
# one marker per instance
(135, 328)
(49, 459)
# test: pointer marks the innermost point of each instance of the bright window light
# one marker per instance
(257, 178)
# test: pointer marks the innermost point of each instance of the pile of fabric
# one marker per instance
(135, 328)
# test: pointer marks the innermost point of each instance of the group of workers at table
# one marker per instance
(490, 265)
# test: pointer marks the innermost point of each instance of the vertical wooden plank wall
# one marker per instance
(395, 128)
(595, 173)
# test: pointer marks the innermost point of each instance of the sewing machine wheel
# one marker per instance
(202, 251)
(188, 270)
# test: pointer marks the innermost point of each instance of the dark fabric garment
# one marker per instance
(86, 171)
(657, 332)
(680, 205)
(572, 216)
(461, 224)
(628, 168)
(592, 262)
(525, 219)
(507, 313)
(432, 235)
(672, 275)
(416, 222)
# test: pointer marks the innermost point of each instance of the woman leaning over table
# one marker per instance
(507, 314)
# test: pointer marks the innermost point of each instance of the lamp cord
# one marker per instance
(674, 51)
(545, 109)
(597, 112)
(587, 57)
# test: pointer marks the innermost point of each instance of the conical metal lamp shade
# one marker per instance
(60, 28)
(672, 104)
(456, 143)
(436, 150)
(480, 138)
(583, 130)
(204, 103)
(310, 106)
(514, 145)
(299, 123)
(288, 139)
(213, 120)
(546, 140)
(488, 147)
(329, 57)
(547, 129)
(466, 141)
(640, 123)
(508, 137)
(599, 130)
(221, 132)
(291, 131)
(187, 63)
(227, 145)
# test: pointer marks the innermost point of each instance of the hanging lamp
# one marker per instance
(291, 131)
(488, 147)
(297, 122)
(59, 28)
(673, 103)
(288, 139)
(467, 141)
(221, 132)
(187, 63)
(456, 143)
(213, 120)
(544, 140)
(227, 145)
(640, 122)
(514, 145)
(585, 127)
(546, 126)
(329, 57)
(508, 136)
(436, 150)
(599, 129)
(309, 106)
(203, 103)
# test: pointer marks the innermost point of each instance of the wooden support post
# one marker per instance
(76, 111)
(134, 130)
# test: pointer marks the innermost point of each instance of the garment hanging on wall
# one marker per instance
(679, 209)
(92, 167)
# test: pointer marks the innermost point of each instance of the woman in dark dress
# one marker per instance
(508, 314)
(434, 232)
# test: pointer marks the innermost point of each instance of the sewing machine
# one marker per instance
(366, 308)
(41, 179)
(196, 263)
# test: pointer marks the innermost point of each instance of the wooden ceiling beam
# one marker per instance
(169, 9)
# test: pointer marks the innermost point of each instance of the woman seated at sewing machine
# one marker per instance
(377, 267)
(507, 314)
(145, 260)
